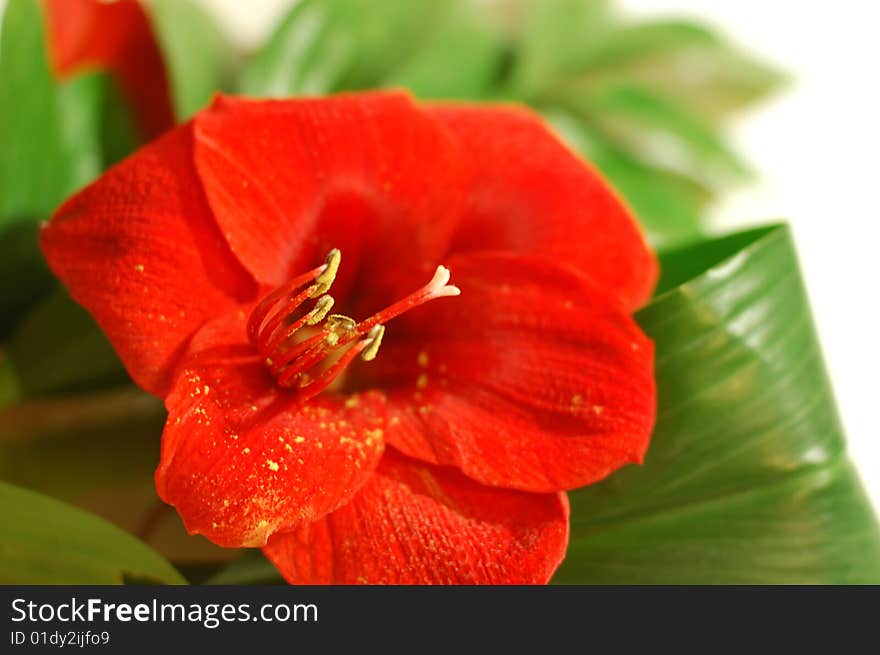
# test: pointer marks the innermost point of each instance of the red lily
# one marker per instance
(116, 37)
(204, 258)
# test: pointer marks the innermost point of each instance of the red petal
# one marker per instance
(533, 195)
(115, 36)
(241, 460)
(532, 378)
(419, 524)
(368, 173)
(140, 250)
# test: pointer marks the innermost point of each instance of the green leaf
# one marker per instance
(59, 347)
(251, 567)
(681, 60)
(48, 129)
(24, 277)
(44, 541)
(328, 45)
(194, 51)
(656, 131)
(746, 479)
(433, 72)
(551, 40)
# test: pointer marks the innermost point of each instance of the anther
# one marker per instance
(374, 337)
(325, 280)
(324, 305)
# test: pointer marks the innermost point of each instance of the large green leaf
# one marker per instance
(48, 130)
(194, 51)
(44, 541)
(746, 479)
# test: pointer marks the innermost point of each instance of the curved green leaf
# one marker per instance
(43, 541)
(48, 130)
(746, 479)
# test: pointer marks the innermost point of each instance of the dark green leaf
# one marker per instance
(44, 541)
(9, 391)
(194, 51)
(24, 277)
(48, 130)
(76, 446)
(59, 347)
(746, 479)
(329, 45)
(250, 568)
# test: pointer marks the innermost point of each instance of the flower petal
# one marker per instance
(140, 250)
(241, 461)
(532, 378)
(531, 194)
(367, 173)
(418, 524)
(115, 36)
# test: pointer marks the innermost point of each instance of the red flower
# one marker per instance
(444, 459)
(117, 37)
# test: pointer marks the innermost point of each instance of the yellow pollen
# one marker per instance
(423, 359)
(325, 279)
(273, 466)
(375, 337)
(322, 307)
(422, 381)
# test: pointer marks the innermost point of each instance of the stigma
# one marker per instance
(307, 350)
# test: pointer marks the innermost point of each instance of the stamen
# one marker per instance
(309, 365)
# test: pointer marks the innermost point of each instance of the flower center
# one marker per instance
(306, 351)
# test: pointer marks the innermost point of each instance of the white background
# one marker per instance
(817, 149)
